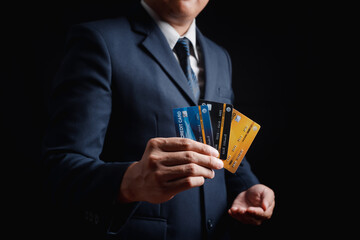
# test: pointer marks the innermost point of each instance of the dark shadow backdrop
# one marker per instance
(276, 57)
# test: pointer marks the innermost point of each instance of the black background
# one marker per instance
(278, 72)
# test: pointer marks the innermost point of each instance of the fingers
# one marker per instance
(254, 205)
(180, 178)
(179, 158)
(186, 170)
(183, 184)
(258, 213)
(173, 165)
(185, 144)
(179, 151)
(251, 215)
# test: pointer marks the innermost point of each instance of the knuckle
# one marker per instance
(189, 182)
(191, 169)
(204, 149)
(153, 157)
(211, 161)
(189, 156)
(155, 142)
(153, 160)
(163, 141)
(185, 143)
(152, 143)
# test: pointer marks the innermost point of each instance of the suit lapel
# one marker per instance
(165, 57)
(155, 43)
(209, 66)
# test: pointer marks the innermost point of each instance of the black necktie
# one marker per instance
(182, 50)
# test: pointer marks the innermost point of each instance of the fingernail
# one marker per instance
(214, 152)
(213, 174)
(220, 163)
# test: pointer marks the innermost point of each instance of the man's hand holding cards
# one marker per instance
(167, 167)
(218, 125)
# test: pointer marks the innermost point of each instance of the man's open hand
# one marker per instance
(254, 205)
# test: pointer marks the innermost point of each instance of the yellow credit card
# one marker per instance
(242, 133)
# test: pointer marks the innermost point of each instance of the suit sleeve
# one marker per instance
(79, 112)
(243, 177)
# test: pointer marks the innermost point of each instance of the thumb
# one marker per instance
(267, 198)
(264, 205)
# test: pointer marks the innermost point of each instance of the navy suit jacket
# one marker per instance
(115, 90)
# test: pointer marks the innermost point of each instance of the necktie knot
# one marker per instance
(182, 47)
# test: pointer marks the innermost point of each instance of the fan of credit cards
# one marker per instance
(220, 126)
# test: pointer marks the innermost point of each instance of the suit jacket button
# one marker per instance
(210, 224)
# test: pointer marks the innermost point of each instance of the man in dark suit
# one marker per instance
(110, 148)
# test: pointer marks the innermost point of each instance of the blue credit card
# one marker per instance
(194, 123)
(206, 125)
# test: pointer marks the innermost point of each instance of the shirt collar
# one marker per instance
(171, 35)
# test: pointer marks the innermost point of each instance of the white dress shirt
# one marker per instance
(172, 36)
